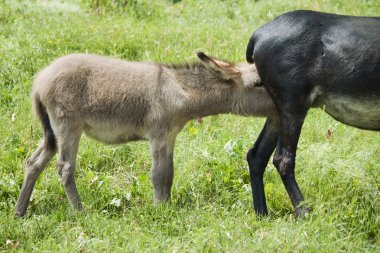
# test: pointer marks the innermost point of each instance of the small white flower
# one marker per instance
(229, 146)
(13, 117)
(11, 244)
(39, 217)
(116, 202)
(128, 196)
(247, 188)
(82, 239)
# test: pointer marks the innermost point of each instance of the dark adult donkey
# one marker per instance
(311, 59)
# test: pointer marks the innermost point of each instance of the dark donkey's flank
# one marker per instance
(311, 59)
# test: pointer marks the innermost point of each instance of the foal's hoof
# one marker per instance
(302, 212)
(79, 207)
(157, 202)
(19, 214)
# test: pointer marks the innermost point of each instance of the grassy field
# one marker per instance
(211, 208)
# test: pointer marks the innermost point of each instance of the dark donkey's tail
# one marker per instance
(249, 51)
(42, 114)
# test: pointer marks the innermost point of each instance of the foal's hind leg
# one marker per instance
(33, 168)
(68, 141)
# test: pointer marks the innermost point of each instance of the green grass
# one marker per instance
(211, 208)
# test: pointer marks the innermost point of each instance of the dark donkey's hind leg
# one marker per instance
(258, 157)
(292, 116)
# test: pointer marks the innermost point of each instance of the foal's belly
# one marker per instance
(360, 112)
(113, 134)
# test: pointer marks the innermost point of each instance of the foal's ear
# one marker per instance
(219, 68)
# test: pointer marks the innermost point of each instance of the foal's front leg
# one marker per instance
(162, 167)
(68, 136)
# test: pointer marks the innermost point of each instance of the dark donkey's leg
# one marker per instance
(258, 157)
(292, 116)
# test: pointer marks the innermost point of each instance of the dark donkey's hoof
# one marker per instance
(301, 212)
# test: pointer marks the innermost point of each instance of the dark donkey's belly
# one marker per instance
(360, 112)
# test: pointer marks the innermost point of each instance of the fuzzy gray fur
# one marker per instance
(116, 101)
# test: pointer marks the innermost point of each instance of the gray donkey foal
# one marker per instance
(116, 101)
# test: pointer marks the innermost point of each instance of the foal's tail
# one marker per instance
(249, 51)
(43, 116)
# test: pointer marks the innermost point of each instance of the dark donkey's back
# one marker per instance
(312, 59)
(323, 60)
